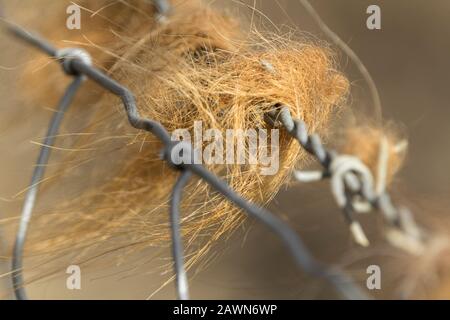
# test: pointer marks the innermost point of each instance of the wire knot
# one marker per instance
(67, 55)
(350, 175)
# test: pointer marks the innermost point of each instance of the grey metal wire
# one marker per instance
(177, 245)
(76, 66)
(38, 174)
(162, 6)
(397, 218)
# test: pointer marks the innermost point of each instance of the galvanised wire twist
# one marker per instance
(76, 62)
(352, 181)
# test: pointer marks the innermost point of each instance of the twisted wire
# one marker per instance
(350, 180)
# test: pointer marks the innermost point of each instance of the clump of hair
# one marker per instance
(197, 65)
(366, 143)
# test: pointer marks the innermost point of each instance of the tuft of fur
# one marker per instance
(364, 142)
(195, 66)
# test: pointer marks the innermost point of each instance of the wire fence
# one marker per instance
(352, 182)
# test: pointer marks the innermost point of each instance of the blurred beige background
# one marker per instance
(409, 60)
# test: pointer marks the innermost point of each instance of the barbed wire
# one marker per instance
(351, 180)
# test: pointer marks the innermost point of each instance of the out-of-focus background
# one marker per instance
(408, 59)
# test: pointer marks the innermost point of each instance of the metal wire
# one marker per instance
(38, 174)
(162, 6)
(350, 180)
(177, 246)
(76, 66)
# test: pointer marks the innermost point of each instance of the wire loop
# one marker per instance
(67, 55)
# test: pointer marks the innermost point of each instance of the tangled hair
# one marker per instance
(194, 65)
